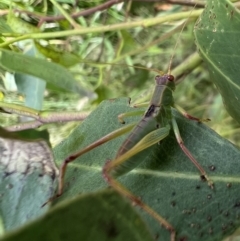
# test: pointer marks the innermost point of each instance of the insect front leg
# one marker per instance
(189, 155)
(122, 116)
(133, 113)
(144, 104)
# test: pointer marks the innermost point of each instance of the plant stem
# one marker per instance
(127, 25)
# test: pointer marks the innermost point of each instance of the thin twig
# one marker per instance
(119, 26)
(103, 7)
(41, 120)
(86, 12)
(198, 4)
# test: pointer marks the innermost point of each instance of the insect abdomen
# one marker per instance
(145, 126)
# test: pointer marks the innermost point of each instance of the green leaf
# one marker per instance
(20, 26)
(31, 87)
(217, 37)
(128, 43)
(64, 58)
(166, 180)
(138, 79)
(27, 135)
(103, 92)
(51, 72)
(103, 216)
(4, 27)
(27, 179)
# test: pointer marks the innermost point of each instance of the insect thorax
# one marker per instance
(164, 115)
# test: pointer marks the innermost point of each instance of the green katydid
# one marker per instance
(153, 127)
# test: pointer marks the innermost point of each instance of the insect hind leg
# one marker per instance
(136, 200)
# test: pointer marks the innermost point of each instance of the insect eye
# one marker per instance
(170, 77)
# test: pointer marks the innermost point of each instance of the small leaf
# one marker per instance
(138, 79)
(103, 92)
(128, 43)
(20, 26)
(64, 58)
(217, 37)
(4, 27)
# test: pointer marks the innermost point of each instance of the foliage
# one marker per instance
(219, 25)
(82, 58)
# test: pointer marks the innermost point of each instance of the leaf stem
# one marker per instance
(100, 29)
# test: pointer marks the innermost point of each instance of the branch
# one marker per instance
(41, 117)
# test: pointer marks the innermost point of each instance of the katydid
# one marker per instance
(153, 127)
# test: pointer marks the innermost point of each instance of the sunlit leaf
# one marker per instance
(20, 26)
(4, 27)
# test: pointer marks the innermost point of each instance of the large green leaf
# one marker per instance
(28, 178)
(217, 35)
(166, 180)
(103, 216)
(52, 73)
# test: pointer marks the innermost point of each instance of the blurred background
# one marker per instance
(101, 61)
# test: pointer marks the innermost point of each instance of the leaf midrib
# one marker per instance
(166, 174)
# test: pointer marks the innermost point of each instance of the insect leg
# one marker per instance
(97, 143)
(144, 104)
(189, 155)
(108, 171)
(185, 114)
(129, 114)
(137, 201)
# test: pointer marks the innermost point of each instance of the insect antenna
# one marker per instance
(178, 39)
